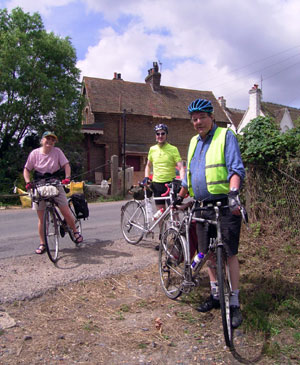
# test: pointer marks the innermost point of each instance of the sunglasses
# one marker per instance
(161, 134)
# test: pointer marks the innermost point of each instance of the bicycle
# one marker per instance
(135, 219)
(54, 225)
(175, 260)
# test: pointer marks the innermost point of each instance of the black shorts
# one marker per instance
(158, 189)
(230, 229)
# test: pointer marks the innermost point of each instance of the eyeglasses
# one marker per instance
(161, 134)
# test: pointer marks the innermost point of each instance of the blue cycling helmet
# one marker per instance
(158, 127)
(200, 105)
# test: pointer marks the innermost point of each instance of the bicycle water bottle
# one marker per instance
(197, 259)
(148, 207)
(158, 213)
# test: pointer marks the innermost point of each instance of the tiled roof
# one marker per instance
(277, 110)
(235, 115)
(113, 96)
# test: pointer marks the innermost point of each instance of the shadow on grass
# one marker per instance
(270, 305)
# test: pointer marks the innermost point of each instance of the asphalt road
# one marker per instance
(19, 235)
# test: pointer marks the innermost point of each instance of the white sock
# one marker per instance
(234, 298)
(214, 289)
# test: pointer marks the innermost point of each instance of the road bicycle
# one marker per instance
(175, 260)
(136, 222)
(54, 225)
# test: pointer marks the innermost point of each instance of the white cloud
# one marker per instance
(125, 53)
(221, 45)
(41, 6)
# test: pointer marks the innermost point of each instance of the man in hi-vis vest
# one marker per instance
(214, 173)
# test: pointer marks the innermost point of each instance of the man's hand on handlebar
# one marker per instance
(178, 201)
(234, 202)
(146, 180)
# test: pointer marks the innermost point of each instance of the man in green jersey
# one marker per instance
(163, 158)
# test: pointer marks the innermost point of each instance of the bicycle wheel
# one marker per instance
(77, 223)
(51, 233)
(133, 222)
(224, 294)
(171, 263)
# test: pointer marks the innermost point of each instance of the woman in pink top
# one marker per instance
(48, 160)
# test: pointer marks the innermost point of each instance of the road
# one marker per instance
(19, 235)
(25, 275)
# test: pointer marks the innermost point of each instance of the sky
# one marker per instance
(223, 46)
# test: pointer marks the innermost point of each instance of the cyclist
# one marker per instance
(46, 161)
(215, 172)
(163, 158)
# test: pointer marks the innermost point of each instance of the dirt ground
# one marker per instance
(116, 318)
(124, 319)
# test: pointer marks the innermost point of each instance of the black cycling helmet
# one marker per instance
(200, 105)
(158, 127)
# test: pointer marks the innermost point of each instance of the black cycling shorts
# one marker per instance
(158, 189)
(230, 228)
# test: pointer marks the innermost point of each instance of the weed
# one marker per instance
(255, 229)
(186, 317)
(124, 308)
(1, 332)
(142, 346)
(120, 316)
(297, 337)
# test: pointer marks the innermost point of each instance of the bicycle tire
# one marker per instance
(171, 263)
(77, 223)
(224, 294)
(51, 233)
(133, 221)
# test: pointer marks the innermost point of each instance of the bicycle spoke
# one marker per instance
(224, 294)
(132, 222)
(171, 263)
(51, 234)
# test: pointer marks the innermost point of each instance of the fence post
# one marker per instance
(114, 175)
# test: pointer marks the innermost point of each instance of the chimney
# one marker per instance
(255, 101)
(117, 76)
(222, 102)
(154, 77)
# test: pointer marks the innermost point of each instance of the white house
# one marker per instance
(284, 115)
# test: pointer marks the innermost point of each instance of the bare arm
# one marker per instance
(180, 167)
(235, 181)
(67, 171)
(26, 174)
(148, 168)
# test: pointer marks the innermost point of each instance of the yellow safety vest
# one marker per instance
(215, 166)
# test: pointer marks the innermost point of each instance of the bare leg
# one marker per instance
(40, 214)
(65, 211)
(234, 269)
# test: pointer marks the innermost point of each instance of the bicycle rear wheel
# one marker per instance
(77, 223)
(224, 294)
(132, 222)
(171, 263)
(51, 233)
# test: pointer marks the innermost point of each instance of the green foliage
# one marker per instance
(262, 143)
(39, 90)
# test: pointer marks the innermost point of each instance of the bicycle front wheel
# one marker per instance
(77, 223)
(51, 233)
(133, 222)
(224, 294)
(171, 263)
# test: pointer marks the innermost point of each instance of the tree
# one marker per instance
(39, 87)
(262, 143)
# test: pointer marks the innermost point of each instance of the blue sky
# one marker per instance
(224, 46)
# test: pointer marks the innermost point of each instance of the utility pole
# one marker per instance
(124, 150)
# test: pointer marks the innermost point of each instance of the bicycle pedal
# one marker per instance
(62, 231)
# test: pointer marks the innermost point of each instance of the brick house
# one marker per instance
(113, 104)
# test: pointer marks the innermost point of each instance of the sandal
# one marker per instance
(78, 238)
(41, 249)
